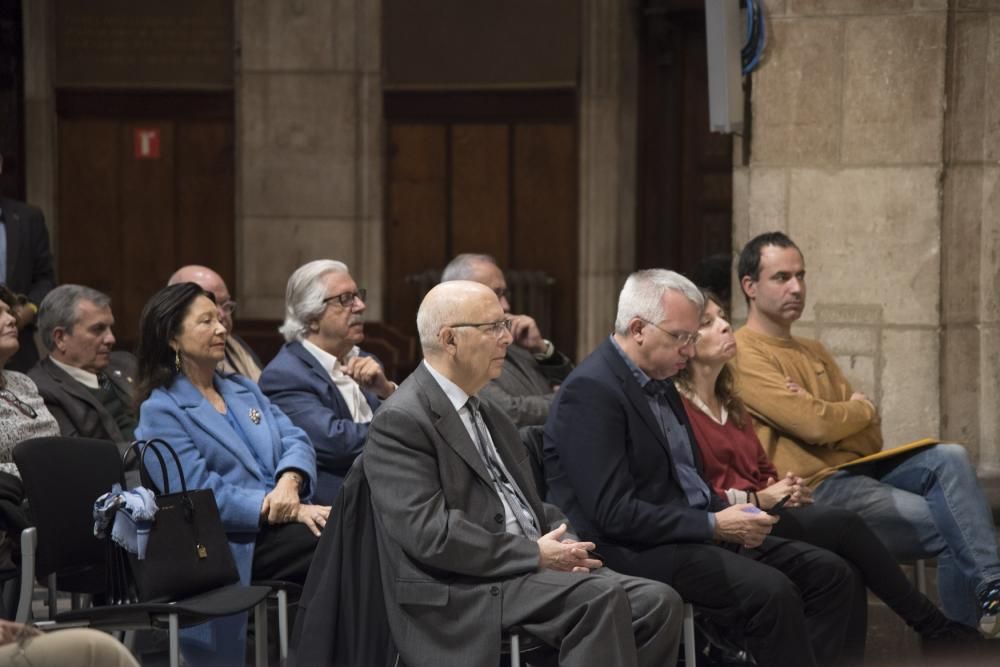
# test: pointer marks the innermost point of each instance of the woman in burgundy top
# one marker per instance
(737, 467)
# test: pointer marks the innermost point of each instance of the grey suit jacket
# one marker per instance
(524, 388)
(75, 407)
(441, 527)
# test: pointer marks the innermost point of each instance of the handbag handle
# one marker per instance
(141, 447)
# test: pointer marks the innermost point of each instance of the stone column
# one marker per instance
(309, 149)
(609, 64)
(847, 158)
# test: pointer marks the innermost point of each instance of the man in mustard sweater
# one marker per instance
(926, 503)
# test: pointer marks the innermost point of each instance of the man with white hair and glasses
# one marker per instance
(321, 379)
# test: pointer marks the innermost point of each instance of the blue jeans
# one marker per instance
(922, 505)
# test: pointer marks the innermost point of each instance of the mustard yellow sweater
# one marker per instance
(803, 432)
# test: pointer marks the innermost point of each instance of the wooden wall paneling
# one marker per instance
(89, 249)
(205, 207)
(480, 190)
(148, 213)
(544, 234)
(685, 171)
(417, 229)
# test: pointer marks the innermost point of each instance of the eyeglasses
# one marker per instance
(228, 307)
(346, 300)
(22, 407)
(496, 328)
(683, 338)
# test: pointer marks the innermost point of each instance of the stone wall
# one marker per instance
(970, 232)
(309, 149)
(875, 148)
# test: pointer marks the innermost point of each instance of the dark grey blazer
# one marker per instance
(441, 527)
(75, 407)
(524, 388)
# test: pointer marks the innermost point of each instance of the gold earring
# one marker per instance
(177, 360)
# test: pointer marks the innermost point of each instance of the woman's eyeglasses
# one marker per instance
(21, 406)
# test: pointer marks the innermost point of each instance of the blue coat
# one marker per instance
(297, 383)
(240, 468)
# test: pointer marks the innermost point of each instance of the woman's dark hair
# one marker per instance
(160, 323)
(725, 384)
(10, 299)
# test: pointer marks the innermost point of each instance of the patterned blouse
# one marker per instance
(19, 399)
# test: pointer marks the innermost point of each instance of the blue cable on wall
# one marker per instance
(756, 37)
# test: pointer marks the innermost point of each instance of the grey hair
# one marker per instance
(58, 309)
(463, 267)
(304, 296)
(642, 296)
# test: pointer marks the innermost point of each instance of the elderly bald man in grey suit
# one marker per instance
(467, 548)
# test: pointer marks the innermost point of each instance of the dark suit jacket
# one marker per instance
(441, 528)
(75, 407)
(608, 465)
(341, 619)
(29, 268)
(302, 388)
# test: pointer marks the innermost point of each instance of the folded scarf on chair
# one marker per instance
(133, 513)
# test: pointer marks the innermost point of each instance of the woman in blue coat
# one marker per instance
(230, 439)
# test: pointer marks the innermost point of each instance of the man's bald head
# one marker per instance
(463, 333)
(210, 281)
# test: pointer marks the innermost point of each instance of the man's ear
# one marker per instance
(635, 329)
(58, 336)
(447, 339)
(749, 287)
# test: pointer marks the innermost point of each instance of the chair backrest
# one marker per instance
(62, 479)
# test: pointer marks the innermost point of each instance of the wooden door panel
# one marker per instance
(480, 190)
(147, 205)
(544, 229)
(126, 223)
(417, 229)
(88, 247)
(204, 177)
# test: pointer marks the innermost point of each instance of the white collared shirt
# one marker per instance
(350, 390)
(460, 400)
(86, 378)
(700, 404)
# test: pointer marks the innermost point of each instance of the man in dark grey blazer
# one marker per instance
(86, 386)
(467, 548)
(534, 367)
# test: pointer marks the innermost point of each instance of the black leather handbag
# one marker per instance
(187, 552)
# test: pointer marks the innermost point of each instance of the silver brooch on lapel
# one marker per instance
(254, 415)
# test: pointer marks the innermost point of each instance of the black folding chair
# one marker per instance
(62, 479)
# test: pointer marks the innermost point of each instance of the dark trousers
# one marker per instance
(283, 552)
(846, 534)
(791, 601)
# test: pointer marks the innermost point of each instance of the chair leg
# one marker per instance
(920, 569)
(689, 647)
(515, 650)
(282, 626)
(53, 602)
(174, 631)
(29, 542)
(260, 633)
